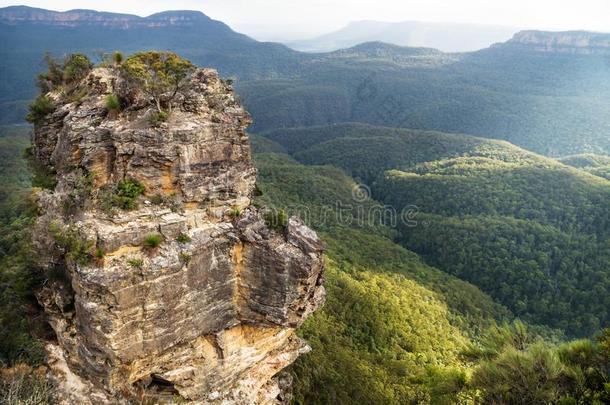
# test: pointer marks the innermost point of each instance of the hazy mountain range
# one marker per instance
(540, 90)
(447, 37)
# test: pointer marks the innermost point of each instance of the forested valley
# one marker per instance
(463, 201)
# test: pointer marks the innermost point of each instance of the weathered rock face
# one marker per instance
(209, 315)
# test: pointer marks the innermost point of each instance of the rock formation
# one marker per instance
(193, 294)
(89, 18)
(571, 42)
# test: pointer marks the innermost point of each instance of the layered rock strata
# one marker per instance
(208, 315)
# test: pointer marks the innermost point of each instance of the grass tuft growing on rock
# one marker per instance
(135, 263)
(234, 212)
(157, 118)
(183, 238)
(152, 241)
(113, 103)
(185, 257)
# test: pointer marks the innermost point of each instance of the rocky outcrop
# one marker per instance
(572, 42)
(208, 315)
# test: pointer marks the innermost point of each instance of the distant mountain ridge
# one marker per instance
(395, 54)
(447, 37)
(555, 103)
(574, 42)
(78, 17)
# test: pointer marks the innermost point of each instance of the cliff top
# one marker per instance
(576, 42)
(80, 17)
(153, 119)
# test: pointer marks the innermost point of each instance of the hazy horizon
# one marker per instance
(280, 21)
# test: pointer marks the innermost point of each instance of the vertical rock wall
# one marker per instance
(209, 315)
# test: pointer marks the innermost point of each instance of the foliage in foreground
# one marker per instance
(22, 385)
(515, 367)
(378, 339)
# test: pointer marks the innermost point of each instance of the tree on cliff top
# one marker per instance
(160, 75)
(71, 69)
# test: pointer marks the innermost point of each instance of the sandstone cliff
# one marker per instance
(90, 18)
(572, 42)
(188, 296)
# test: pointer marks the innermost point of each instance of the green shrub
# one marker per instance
(185, 257)
(75, 246)
(160, 75)
(105, 199)
(83, 187)
(135, 263)
(126, 194)
(76, 67)
(157, 199)
(112, 102)
(153, 241)
(117, 57)
(99, 253)
(234, 212)
(40, 108)
(183, 238)
(73, 68)
(157, 118)
(53, 77)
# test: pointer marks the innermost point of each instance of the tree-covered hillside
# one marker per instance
(390, 321)
(598, 165)
(395, 330)
(555, 104)
(364, 150)
(535, 238)
(528, 230)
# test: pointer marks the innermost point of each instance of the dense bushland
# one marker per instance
(372, 341)
(528, 230)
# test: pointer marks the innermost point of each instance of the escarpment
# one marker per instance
(569, 42)
(164, 283)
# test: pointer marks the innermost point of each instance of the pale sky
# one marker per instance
(286, 19)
